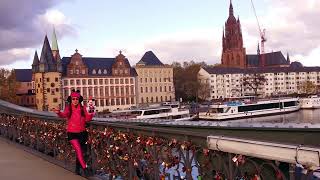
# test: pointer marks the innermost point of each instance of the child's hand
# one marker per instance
(55, 110)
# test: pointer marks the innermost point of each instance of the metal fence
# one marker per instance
(124, 151)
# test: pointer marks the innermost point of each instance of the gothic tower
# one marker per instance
(47, 77)
(233, 52)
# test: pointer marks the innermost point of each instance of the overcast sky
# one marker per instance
(179, 30)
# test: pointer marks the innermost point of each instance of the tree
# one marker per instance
(186, 80)
(204, 90)
(8, 85)
(254, 82)
(307, 87)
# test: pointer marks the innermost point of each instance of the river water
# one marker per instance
(301, 116)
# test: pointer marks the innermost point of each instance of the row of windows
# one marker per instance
(72, 82)
(150, 89)
(103, 91)
(47, 79)
(146, 80)
(156, 99)
(25, 100)
(112, 102)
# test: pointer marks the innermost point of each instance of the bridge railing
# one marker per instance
(128, 151)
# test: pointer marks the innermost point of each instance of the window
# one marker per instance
(101, 91)
(94, 71)
(77, 71)
(142, 100)
(95, 81)
(117, 81)
(78, 81)
(150, 79)
(151, 89)
(56, 79)
(72, 82)
(132, 89)
(95, 91)
(155, 89)
(127, 81)
(106, 81)
(83, 71)
(105, 71)
(121, 81)
(101, 102)
(146, 89)
(48, 79)
(99, 71)
(146, 80)
(141, 90)
(84, 82)
(89, 81)
(107, 91)
(131, 81)
(101, 81)
(111, 81)
(55, 100)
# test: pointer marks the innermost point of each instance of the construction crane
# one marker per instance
(261, 32)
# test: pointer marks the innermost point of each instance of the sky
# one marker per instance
(176, 31)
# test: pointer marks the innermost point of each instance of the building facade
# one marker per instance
(155, 80)
(47, 74)
(111, 82)
(228, 82)
(25, 94)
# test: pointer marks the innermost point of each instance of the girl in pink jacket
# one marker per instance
(77, 116)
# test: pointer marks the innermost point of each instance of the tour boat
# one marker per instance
(170, 112)
(311, 102)
(244, 109)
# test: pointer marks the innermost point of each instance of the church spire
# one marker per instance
(54, 46)
(230, 9)
(258, 50)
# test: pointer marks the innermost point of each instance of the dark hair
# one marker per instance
(80, 101)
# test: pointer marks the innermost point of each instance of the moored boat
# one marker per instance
(241, 109)
(311, 102)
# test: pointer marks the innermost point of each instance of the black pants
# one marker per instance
(82, 137)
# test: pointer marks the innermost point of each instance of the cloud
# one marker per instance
(12, 55)
(291, 27)
(195, 44)
(24, 24)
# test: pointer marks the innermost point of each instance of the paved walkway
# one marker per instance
(17, 164)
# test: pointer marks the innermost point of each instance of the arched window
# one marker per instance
(238, 59)
(142, 101)
(99, 71)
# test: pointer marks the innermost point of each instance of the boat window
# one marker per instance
(150, 112)
(258, 107)
(136, 112)
(289, 104)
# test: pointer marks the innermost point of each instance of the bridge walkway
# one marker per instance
(18, 164)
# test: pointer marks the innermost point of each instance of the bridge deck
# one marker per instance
(16, 164)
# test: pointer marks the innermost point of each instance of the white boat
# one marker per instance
(170, 112)
(311, 102)
(235, 110)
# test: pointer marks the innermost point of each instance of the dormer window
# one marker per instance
(105, 71)
(83, 71)
(94, 71)
(116, 71)
(121, 71)
(77, 71)
(126, 71)
(120, 63)
(71, 71)
(77, 63)
(99, 71)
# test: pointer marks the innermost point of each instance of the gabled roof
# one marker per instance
(271, 59)
(149, 58)
(23, 75)
(95, 63)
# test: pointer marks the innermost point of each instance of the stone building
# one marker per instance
(234, 53)
(47, 74)
(25, 94)
(155, 80)
(110, 81)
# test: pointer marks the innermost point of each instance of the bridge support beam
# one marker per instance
(293, 154)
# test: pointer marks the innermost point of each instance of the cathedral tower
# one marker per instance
(233, 52)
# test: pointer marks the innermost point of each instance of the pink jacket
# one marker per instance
(76, 123)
